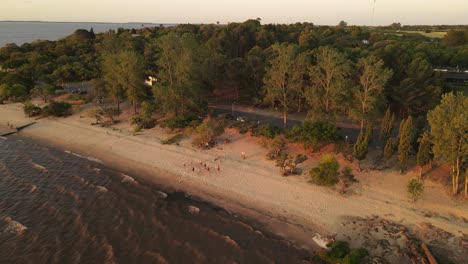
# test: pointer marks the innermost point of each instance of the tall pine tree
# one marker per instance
(404, 142)
(424, 155)
(386, 127)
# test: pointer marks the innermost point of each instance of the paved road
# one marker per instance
(263, 117)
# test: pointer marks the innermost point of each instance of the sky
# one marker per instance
(322, 12)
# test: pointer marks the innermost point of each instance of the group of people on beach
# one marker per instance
(202, 166)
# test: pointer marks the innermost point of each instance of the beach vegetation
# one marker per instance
(361, 147)
(181, 122)
(276, 147)
(449, 126)
(206, 133)
(58, 109)
(31, 110)
(390, 148)
(415, 188)
(144, 120)
(312, 133)
(386, 127)
(175, 139)
(405, 141)
(327, 171)
(341, 253)
(267, 131)
(424, 156)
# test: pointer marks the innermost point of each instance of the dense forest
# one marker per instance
(329, 72)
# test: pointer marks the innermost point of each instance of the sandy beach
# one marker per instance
(287, 206)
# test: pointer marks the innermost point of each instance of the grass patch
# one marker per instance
(173, 140)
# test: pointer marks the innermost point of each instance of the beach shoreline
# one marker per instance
(286, 206)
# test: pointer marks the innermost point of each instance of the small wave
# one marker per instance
(94, 160)
(101, 188)
(127, 178)
(97, 170)
(39, 167)
(74, 154)
(3, 138)
(83, 157)
(13, 227)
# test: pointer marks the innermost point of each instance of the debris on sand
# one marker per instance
(395, 243)
(193, 210)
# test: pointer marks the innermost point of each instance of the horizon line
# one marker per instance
(214, 23)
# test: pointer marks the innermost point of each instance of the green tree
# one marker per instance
(368, 93)
(415, 188)
(417, 93)
(390, 148)
(454, 38)
(178, 88)
(279, 81)
(386, 127)
(405, 140)
(424, 155)
(449, 130)
(361, 148)
(116, 89)
(99, 90)
(328, 80)
(326, 173)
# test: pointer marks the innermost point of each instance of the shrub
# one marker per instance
(111, 113)
(326, 173)
(244, 126)
(267, 131)
(339, 249)
(181, 122)
(390, 148)
(58, 109)
(311, 133)
(31, 110)
(207, 132)
(415, 188)
(276, 147)
(347, 173)
(173, 140)
(356, 256)
(142, 122)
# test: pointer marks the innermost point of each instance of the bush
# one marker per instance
(181, 122)
(31, 110)
(142, 122)
(207, 132)
(415, 188)
(356, 256)
(276, 147)
(244, 126)
(326, 173)
(267, 131)
(339, 249)
(311, 133)
(58, 109)
(173, 140)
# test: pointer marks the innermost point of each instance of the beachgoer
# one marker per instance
(243, 155)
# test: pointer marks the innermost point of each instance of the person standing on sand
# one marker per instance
(243, 155)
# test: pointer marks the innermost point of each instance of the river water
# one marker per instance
(25, 32)
(59, 207)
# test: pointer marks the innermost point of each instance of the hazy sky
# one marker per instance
(210, 11)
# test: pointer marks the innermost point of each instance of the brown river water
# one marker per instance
(59, 207)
